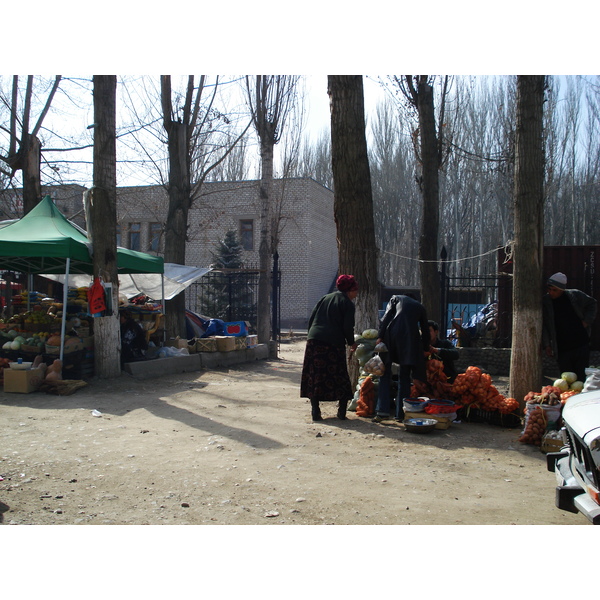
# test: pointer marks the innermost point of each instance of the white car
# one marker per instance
(577, 465)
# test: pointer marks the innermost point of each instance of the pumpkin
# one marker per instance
(54, 340)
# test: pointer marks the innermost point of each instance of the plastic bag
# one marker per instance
(170, 351)
(592, 382)
(375, 366)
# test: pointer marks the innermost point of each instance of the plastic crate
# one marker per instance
(490, 417)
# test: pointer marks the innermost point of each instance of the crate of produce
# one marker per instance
(225, 343)
(208, 344)
(240, 343)
(470, 414)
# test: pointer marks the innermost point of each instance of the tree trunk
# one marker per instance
(177, 220)
(263, 328)
(353, 199)
(526, 361)
(32, 186)
(429, 184)
(103, 226)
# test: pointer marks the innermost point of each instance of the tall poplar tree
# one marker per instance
(353, 198)
(101, 203)
(526, 360)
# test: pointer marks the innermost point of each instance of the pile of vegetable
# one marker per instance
(473, 389)
(542, 413)
(365, 351)
(535, 427)
(568, 385)
(365, 406)
(437, 385)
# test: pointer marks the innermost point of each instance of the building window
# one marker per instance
(135, 237)
(119, 236)
(247, 234)
(154, 233)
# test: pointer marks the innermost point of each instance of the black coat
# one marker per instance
(405, 331)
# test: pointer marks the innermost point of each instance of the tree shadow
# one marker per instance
(141, 398)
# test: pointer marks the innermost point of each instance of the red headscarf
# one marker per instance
(346, 283)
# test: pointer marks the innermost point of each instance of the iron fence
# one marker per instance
(232, 295)
(473, 311)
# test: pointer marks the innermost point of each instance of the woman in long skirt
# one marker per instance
(330, 328)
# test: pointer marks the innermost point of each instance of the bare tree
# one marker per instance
(24, 150)
(353, 199)
(526, 362)
(431, 149)
(188, 124)
(102, 224)
(271, 99)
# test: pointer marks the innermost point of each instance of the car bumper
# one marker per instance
(570, 496)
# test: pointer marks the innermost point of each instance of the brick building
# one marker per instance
(308, 256)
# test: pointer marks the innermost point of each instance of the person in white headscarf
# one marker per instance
(567, 318)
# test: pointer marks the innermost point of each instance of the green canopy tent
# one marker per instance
(45, 241)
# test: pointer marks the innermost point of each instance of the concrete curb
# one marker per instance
(194, 362)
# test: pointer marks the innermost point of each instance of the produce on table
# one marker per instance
(549, 395)
(370, 334)
(365, 406)
(561, 384)
(535, 427)
(474, 388)
(374, 366)
(542, 412)
(569, 377)
(577, 386)
(566, 395)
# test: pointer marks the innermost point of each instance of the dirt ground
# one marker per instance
(237, 446)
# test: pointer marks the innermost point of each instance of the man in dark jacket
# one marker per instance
(133, 339)
(567, 318)
(445, 350)
(405, 332)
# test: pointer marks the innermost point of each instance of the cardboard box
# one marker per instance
(191, 348)
(208, 344)
(251, 340)
(225, 343)
(236, 328)
(240, 343)
(23, 381)
(74, 347)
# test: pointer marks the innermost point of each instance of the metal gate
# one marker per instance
(232, 295)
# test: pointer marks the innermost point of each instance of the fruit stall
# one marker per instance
(44, 242)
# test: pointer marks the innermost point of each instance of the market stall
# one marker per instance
(45, 242)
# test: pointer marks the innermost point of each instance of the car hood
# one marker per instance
(582, 413)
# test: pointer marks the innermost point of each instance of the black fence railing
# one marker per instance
(473, 312)
(232, 295)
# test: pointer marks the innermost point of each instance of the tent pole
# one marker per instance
(64, 310)
(162, 285)
(29, 290)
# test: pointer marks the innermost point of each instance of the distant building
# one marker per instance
(308, 256)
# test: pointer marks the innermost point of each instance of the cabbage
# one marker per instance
(569, 377)
(561, 384)
(577, 386)
(370, 334)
